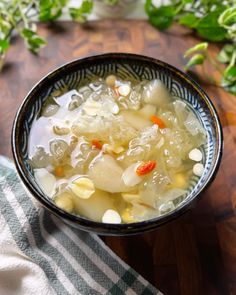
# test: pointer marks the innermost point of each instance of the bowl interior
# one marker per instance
(126, 66)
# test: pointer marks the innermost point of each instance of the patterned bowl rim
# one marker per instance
(89, 225)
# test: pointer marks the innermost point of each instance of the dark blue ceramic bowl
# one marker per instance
(126, 66)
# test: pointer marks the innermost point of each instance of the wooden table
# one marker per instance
(195, 254)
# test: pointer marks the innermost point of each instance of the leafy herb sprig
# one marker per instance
(20, 16)
(213, 20)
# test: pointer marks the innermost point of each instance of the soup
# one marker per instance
(116, 151)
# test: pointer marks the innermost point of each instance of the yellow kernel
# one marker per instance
(59, 171)
(110, 80)
(126, 216)
(114, 149)
(180, 181)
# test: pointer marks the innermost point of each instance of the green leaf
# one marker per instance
(199, 47)
(230, 74)
(226, 53)
(87, 6)
(32, 40)
(228, 17)
(209, 28)
(4, 45)
(80, 14)
(189, 20)
(223, 57)
(161, 17)
(229, 48)
(50, 10)
(27, 33)
(197, 59)
(148, 7)
(76, 14)
(229, 86)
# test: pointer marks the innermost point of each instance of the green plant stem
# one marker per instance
(233, 59)
(19, 21)
(23, 15)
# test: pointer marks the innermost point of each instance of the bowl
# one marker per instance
(125, 66)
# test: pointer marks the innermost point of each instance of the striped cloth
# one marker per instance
(39, 254)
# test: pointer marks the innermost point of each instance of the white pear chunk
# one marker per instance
(106, 174)
(156, 93)
(94, 207)
(130, 198)
(46, 181)
(147, 111)
(135, 120)
(130, 176)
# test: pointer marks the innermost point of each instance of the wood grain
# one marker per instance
(195, 254)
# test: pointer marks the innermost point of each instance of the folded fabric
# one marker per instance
(39, 254)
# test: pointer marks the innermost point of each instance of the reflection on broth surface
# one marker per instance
(116, 151)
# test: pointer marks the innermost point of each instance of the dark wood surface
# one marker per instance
(195, 254)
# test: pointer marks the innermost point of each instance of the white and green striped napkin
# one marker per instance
(39, 254)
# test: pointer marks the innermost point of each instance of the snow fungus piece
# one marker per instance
(61, 130)
(156, 93)
(92, 108)
(58, 148)
(166, 207)
(193, 125)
